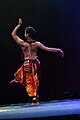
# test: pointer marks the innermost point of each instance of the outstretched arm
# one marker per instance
(14, 35)
(41, 46)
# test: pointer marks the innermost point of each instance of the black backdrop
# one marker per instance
(57, 23)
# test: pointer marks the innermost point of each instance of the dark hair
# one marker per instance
(31, 31)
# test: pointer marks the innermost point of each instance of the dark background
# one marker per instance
(57, 23)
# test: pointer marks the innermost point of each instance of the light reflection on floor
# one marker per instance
(45, 109)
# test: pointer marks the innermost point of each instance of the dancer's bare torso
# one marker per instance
(29, 50)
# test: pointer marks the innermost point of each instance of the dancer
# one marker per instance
(28, 74)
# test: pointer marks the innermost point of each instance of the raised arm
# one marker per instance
(41, 46)
(14, 33)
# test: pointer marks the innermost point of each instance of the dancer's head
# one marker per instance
(30, 32)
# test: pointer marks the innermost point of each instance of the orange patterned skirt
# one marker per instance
(27, 75)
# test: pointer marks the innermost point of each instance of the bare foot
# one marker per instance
(14, 81)
(36, 103)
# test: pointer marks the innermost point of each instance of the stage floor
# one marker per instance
(45, 109)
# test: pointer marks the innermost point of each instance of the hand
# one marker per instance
(20, 21)
(61, 53)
